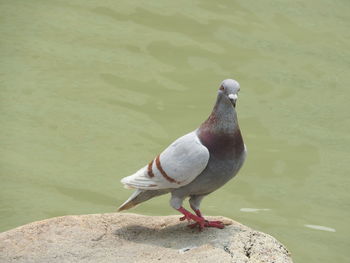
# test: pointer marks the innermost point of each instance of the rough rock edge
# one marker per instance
(94, 238)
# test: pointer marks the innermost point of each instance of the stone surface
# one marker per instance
(126, 238)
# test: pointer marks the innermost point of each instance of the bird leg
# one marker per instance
(199, 219)
(197, 211)
(217, 224)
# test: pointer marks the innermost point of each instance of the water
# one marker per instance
(91, 91)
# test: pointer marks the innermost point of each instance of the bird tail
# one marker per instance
(140, 196)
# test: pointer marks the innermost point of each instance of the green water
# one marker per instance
(92, 90)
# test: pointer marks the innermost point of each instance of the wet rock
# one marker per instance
(121, 237)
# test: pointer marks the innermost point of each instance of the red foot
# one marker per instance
(197, 211)
(189, 216)
(217, 224)
(200, 222)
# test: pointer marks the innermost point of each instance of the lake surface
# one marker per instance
(93, 90)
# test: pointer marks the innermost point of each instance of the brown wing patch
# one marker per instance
(149, 169)
(160, 168)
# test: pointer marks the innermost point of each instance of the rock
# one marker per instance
(121, 237)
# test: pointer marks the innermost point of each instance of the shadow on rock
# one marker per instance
(174, 236)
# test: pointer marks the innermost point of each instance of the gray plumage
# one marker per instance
(219, 160)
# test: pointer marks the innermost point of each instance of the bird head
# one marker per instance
(230, 88)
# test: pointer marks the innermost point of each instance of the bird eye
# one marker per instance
(222, 88)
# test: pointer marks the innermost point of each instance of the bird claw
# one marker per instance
(199, 220)
(200, 225)
(183, 218)
(217, 224)
(206, 223)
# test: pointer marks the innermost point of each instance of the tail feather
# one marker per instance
(140, 196)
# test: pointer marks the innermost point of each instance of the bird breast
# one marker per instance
(222, 145)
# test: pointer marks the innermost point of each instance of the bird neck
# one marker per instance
(220, 133)
(223, 118)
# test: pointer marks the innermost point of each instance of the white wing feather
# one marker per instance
(182, 162)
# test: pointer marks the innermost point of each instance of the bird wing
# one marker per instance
(176, 166)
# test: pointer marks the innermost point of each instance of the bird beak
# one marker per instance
(233, 99)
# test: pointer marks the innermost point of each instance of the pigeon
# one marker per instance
(197, 163)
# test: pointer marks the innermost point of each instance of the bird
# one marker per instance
(195, 164)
